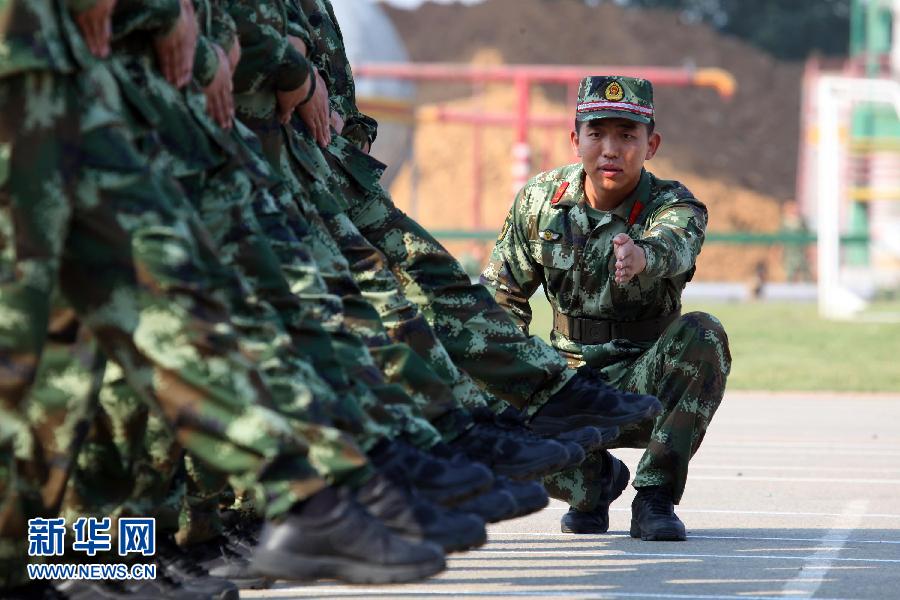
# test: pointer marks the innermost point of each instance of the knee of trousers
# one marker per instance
(706, 337)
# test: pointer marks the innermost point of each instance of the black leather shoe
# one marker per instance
(588, 400)
(178, 565)
(408, 513)
(576, 453)
(589, 438)
(331, 536)
(226, 560)
(164, 586)
(495, 505)
(653, 516)
(444, 480)
(530, 496)
(613, 482)
(511, 451)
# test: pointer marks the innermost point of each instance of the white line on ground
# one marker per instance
(816, 445)
(362, 592)
(804, 469)
(475, 555)
(752, 512)
(808, 582)
(746, 450)
(795, 479)
(579, 538)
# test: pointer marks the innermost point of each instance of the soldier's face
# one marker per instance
(613, 152)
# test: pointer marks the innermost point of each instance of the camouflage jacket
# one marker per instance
(268, 61)
(328, 53)
(176, 118)
(40, 35)
(551, 238)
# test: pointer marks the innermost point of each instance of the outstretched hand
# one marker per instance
(630, 258)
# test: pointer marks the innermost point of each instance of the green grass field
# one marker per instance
(787, 347)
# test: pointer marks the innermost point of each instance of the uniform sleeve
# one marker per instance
(222, 31)
(79, 6)
(297, 25)
(267, 58)
(206, 62)
(330, 56)
(673, 238)
(144, 15)
(511, 274)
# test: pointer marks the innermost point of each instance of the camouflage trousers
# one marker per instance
(474, 330)
(686, 369)
(79, 204)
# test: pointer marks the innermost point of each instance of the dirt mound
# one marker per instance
(751, 140)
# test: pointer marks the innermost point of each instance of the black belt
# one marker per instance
(594, 331)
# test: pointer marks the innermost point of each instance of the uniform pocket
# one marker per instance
(557, 260)
(553, 255)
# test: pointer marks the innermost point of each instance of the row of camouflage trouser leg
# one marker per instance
(104, 216)
(686, 369)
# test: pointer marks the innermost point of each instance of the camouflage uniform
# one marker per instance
(318, 220)
(80, 204)
(225, 182)
(552, 238)
(477, 334)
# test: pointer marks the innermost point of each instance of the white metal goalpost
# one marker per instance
(835, 96)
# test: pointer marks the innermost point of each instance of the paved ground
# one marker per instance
(791, 496)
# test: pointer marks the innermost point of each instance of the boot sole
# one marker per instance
(257, 583)
(547, 426)
(304, 567)
(598, 531)
(670, 535)
(528, 509)
(460, 544)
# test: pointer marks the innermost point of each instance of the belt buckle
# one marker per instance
(599, 332)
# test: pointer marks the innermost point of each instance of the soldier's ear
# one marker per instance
(653, 145)
(573, 139)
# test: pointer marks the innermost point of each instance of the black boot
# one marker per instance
(588, 400)
(614, 479)
(511, 451)
(409, 514)
(439, 479)
(331, 536)
(223, 559)
(166, 586)
(530, 496)
(494, 505)
(653, 516)
(589, 439)
(180, 566)
(242, 528)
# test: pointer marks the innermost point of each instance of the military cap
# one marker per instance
(609, 96)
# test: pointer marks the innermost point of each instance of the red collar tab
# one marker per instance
(635, 213)
(559, 193)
